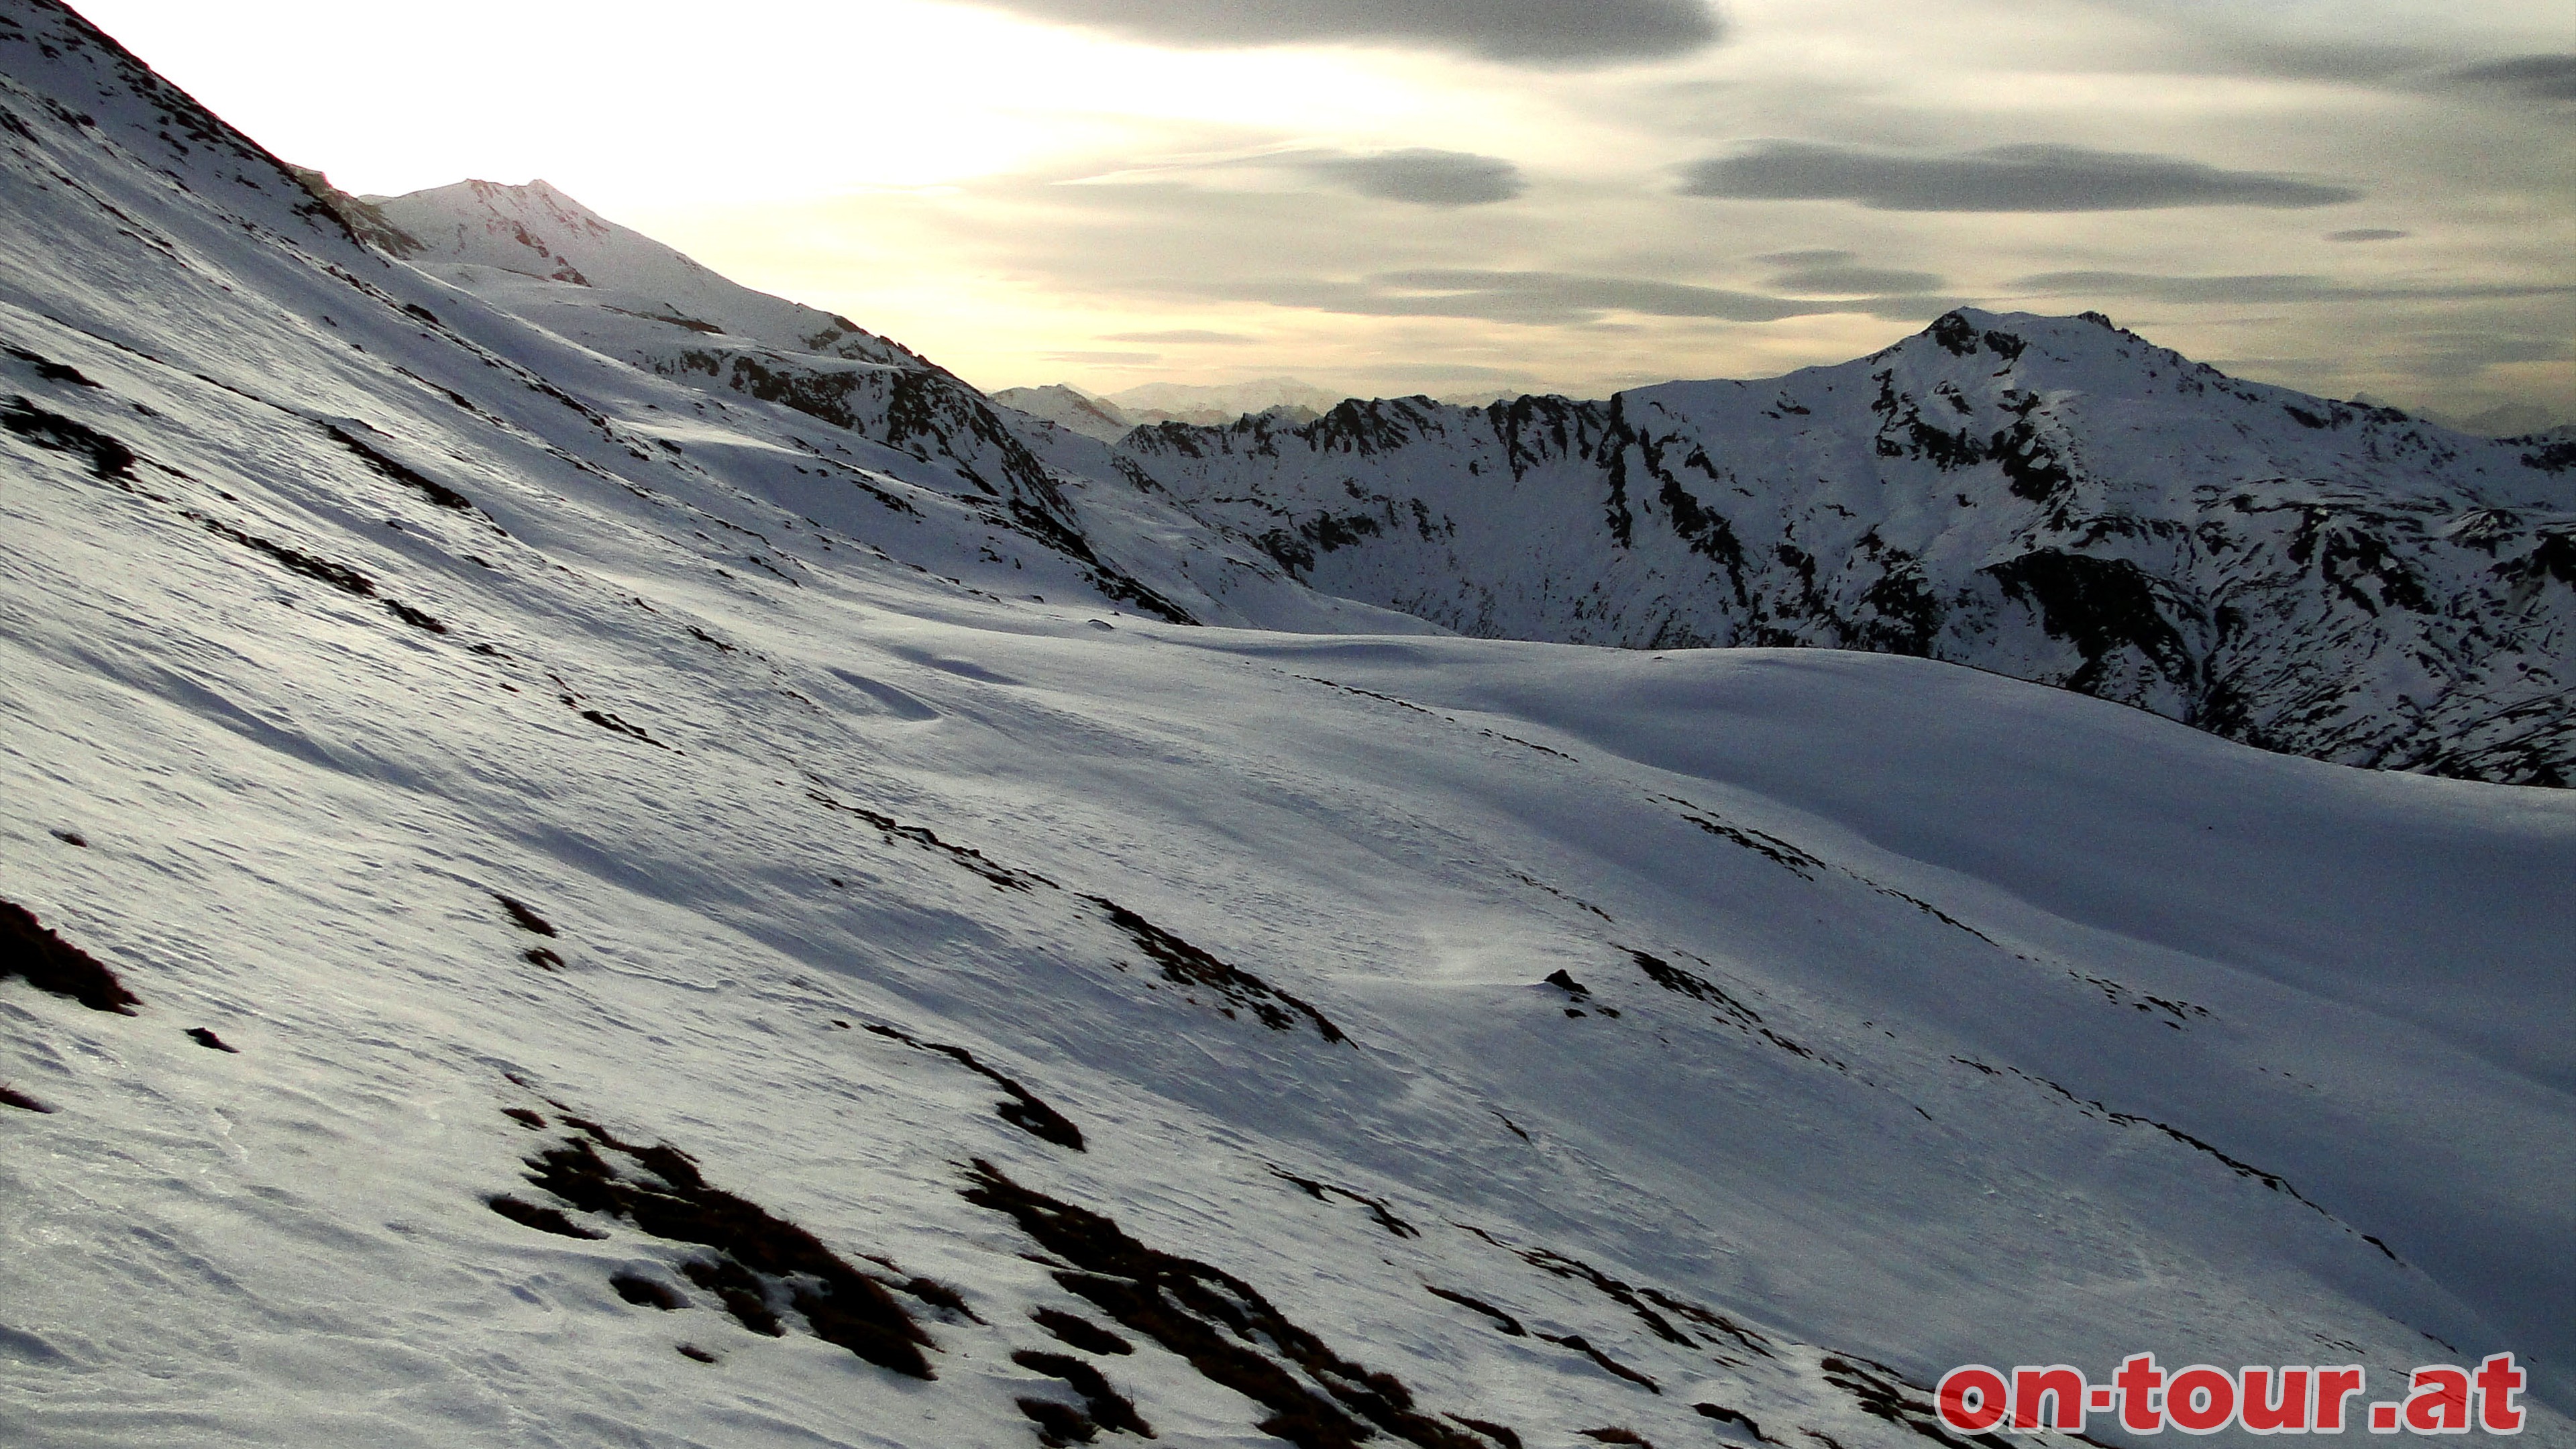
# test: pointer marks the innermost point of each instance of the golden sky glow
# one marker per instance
(2343, 197)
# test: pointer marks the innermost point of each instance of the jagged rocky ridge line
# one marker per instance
(2053, 499)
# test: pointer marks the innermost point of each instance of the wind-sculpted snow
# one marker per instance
(637, 929)
(2052, 499)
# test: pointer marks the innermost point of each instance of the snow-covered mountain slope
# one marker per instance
(638, 935)
(537, 231)
(2049, 498)
(541, 257)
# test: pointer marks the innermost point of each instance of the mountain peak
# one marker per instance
(2055, 498)
(538, 231)
(1967, 331)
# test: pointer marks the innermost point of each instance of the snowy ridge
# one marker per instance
(642, 931)
(2049, 498)
(546, 260)
(538, 232)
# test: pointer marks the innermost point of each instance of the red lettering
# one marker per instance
(2437, 1401)
(2200, 1399)
(2498, 1382)
(2139, 1378)
(2203, 1399)
(2062, 1382)
(2334, 1386)
(2264, 1414)
(1973, 1399)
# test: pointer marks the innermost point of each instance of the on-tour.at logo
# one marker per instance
(2204, 1399)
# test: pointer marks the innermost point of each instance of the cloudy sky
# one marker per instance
(1463, 196)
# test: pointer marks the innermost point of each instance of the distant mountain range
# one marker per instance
(1114, 416)
(2504, 420)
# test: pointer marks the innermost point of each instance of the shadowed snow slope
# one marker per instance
(705, 958)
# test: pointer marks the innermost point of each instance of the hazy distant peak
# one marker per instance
(1261, 390)
(1279, 399)
(1220, 403)
(1069, 408)
(2504, 420)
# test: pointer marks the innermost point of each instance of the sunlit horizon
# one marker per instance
(2341, 199)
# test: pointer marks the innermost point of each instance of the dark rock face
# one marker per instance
(44, 960)
(2052, 499)
(924, 411)
(2103, 606)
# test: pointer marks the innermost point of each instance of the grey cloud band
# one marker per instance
(1423, 177)
(2540, 77)
(1536, 298)
(2000, 178)
(1554, 33)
